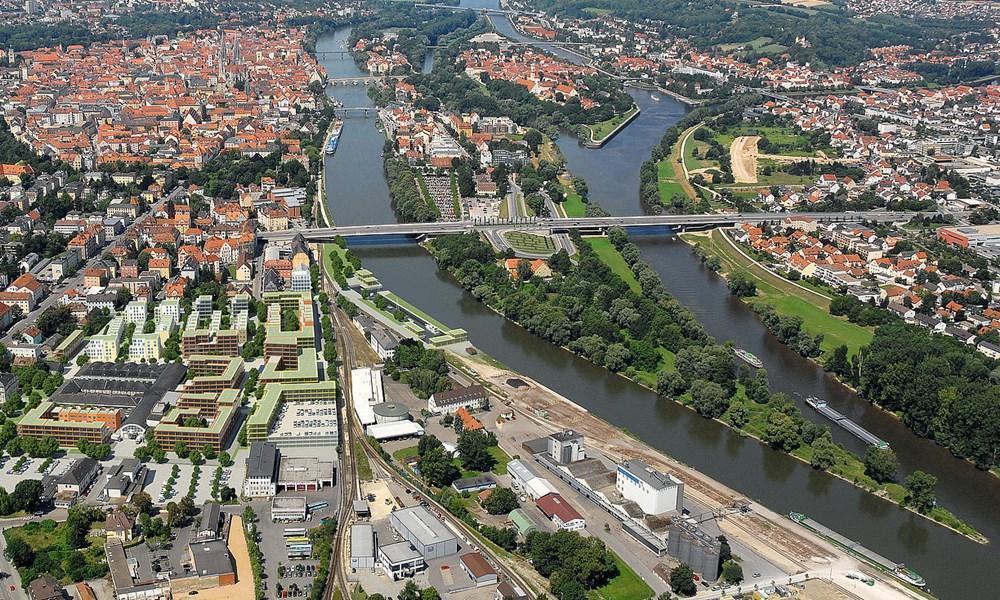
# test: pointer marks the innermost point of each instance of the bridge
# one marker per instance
(583, 224)
(332, 53)
(347, 111)
(364, 80)
(492, 11)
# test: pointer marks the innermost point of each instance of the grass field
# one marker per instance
(529, 242)
(627, 585)
(361, 460)
(788, 299)
(599, 130)
(502, 459)
(691, 162)
(404, 454)
(607, 253)
(573, 205)
(667, 181)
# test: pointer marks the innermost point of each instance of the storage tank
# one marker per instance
(390, 412)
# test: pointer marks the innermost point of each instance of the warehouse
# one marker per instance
(520, 474)
(394, 431)
(478, 570)
(559, 511)
(362, 547)
(400, 560)
(424, 531)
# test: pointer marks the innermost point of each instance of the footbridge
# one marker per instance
(592, 225)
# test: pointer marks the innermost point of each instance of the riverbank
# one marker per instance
(786, 296)
(770, 534)
(599, 133)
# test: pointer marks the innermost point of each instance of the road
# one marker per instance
(77, 279)
(564, 225)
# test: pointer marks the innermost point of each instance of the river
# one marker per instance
(358, 194)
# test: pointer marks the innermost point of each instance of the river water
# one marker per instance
(953, 566)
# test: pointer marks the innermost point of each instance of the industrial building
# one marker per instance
(363, 544)
(132, 576)
(366, 392)
(560, 512)
(102, 400)
(390, 412)
(268, 472)
(565, 447)
(655, 493)
(285, 509)
(394, 431)
(690, 544)
(424, 531)
(400, 560)
(304, 474)
(478, 570)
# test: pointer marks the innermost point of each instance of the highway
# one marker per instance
(565, 225)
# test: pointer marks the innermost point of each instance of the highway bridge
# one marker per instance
(594, 225)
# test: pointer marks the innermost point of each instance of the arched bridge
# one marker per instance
(363, 80)
(584, 224)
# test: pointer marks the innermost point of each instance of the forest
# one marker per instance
(494, 98)
(431, 27)
(835, 38)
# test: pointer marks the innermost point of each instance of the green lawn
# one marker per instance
(573, 205)
(361, 461)
(627, 585)
(788, 299)
(404, 454)
(667, 181)
(599, 130)
(529, 242)
(501, 458)
(607, 253)
(691, 162)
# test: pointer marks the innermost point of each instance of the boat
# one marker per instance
(748, 357)
(853, 428)
(655, 98)
(897, 570)
(334, 141)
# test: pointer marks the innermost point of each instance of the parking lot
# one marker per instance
(297, 573)
(160, 473)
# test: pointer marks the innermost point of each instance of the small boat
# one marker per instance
(655, 97)
(748, 357)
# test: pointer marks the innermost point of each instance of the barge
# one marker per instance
(853, 428)
(331, 144)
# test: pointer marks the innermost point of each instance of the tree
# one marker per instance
(732, 572)
(19, 552)
(195, 457)
(739, 415)
(709, 398)
(741, 285)
(781, 432)
(500, 501)
(181, 450)
(225, 459)
(410, 591)
(682, 580)
(880, 464)
(142, 503)
(26, 495)
(823, 453)
(920, 487)
(436, 467)
(473, 448)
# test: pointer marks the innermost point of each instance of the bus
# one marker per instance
(294, 532)
(317, 506)
(295, 541)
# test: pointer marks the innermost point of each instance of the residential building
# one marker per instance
(473, 397)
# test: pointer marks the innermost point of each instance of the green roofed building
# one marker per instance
(220, 421)
(522, 522)
(275, 394)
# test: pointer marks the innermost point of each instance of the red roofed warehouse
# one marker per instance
(560, 512)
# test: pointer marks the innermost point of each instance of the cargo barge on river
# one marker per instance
(853, 428)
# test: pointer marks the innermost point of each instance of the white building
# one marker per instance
(262, 471)
(145, 346)
(655, 493)
(169, 307)
(135, 312)
(366, 391)
(566, 447)
(448, 402)
(301, 280)
(104, 347)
